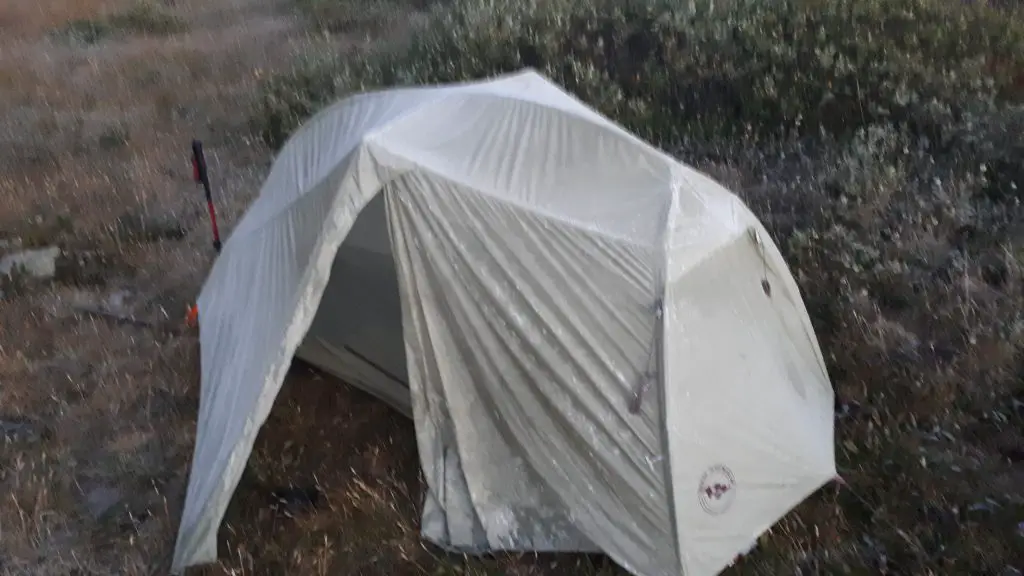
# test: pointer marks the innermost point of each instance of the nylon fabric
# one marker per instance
(517, 273)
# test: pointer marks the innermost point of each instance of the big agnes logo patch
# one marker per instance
(717, 490)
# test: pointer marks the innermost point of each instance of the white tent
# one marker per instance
(601, 348)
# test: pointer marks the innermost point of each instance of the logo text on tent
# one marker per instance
(717, 490)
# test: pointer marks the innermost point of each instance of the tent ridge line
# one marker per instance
(471, 89)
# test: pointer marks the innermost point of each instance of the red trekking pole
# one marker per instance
(200, 175)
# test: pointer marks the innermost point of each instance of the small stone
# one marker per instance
(10, 244)
(16, 430)
(101, 499)
(117, 301)
(294, 500)
(986, 506)
(149, 226)
(39, 263)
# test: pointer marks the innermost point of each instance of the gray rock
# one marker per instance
(39, 263)
(149, 226)
(101, 499)
(16, 430)
(117, 301)
(7, 244)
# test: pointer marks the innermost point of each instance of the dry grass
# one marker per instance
(88, 134)
(106, 411)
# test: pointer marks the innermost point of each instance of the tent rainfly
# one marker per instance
(601, 348)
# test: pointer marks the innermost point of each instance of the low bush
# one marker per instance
(751, 68)
(364, 16)
(140, 17)
(146, 17)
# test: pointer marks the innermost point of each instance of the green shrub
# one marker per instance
(341, 16)
(756, 68)
(85, 31)
(146, 17)
(141, 17)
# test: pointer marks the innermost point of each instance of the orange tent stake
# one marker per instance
(192, 316)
